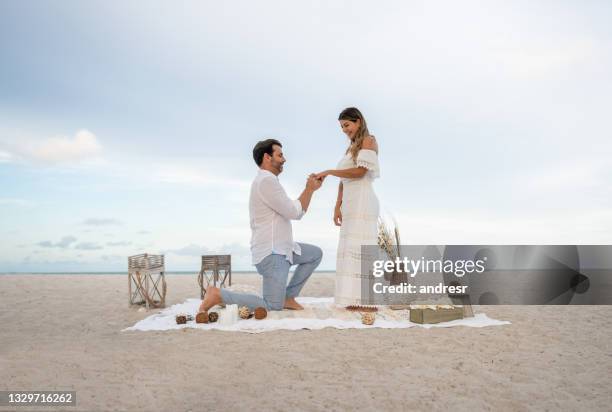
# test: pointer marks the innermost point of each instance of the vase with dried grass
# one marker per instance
(389, 241)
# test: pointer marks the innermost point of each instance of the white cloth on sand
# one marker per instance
(319, 313)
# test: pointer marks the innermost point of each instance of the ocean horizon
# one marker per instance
(178, 272)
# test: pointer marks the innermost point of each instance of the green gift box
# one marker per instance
(435, 314)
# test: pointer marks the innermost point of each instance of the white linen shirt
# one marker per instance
(271, 212)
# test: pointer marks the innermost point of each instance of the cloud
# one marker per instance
(54, 150)
(118, 243)
(493, 226)
(144, 232)
(5, 157)
(101, 222)
(88, 246)
(139, 247)
(188, 257)
(192, 249)
(534, 60)
(235, 249)
(65, 242)
(575, 174)
(195, 176)
(189, 250)
(112, 258)
(7, 201)
(35, 264)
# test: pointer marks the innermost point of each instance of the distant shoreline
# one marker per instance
(182, 272)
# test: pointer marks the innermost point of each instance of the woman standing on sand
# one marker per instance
(357, 208)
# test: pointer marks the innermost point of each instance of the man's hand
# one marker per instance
(316, 176)
(313, 183)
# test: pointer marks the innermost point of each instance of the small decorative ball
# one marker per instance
(181, 319)
(202, 317)
(368, 318)
(213, 317)
(260, 313)
(244, 312)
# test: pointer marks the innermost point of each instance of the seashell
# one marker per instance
(244, 312)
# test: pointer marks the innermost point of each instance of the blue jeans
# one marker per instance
(275, 270)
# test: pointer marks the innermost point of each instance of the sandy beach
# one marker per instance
(63, 332)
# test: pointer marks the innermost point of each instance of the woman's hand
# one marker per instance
(337, 216)
(323, 175)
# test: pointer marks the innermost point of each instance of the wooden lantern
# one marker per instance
(146, 280)
(216, 269)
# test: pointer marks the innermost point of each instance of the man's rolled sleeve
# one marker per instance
(273, 194)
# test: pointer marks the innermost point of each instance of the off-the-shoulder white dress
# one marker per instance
(360, 211)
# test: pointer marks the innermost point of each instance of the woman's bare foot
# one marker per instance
(290, 303)
(212, 298)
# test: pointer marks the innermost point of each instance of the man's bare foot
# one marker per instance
(212, 298)
(290, 303)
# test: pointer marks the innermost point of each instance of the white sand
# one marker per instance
(64, 333)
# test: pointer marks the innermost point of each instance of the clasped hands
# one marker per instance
(315, 180)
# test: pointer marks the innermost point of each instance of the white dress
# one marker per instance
(360, 211)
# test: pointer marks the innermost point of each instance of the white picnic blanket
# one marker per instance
(318, 313)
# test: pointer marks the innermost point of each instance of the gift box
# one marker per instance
(435, 313)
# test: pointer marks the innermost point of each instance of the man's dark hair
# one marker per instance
(263, 147)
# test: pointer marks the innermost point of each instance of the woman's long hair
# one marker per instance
(353, 114)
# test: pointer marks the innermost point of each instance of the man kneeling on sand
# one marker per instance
(272, 246)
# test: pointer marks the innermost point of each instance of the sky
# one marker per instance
(127, 127)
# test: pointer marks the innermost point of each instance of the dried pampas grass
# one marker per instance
(389, 240)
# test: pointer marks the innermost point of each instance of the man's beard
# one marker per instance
(278, 166)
